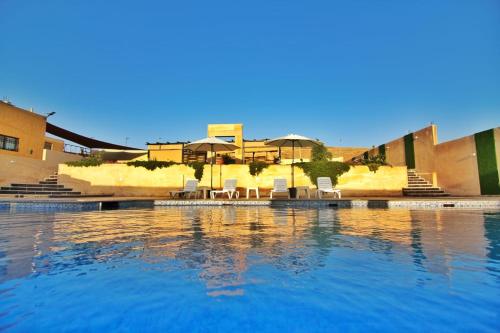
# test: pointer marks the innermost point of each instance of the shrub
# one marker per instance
(198, 169)
(256, 167)
(90, 161)
(151, 165)
(226, 159)
(373, 162)
(320, 153)
(324, 169)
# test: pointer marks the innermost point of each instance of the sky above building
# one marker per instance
(351, 73)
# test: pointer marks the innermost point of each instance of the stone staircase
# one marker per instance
(47, 187)
(419, 187)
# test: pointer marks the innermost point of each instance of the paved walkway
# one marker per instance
(102, 203)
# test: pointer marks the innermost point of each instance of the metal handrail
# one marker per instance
(73, 149)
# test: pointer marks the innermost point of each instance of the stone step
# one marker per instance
(419, 185)
(417, 193)
(422, 189)
(48, 182)
(42, 189)
(432, 194)
(416, 178)
(37, 185)
(79, 195)
(38, 192)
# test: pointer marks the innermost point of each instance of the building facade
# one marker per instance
(22, 133)
(249, 151)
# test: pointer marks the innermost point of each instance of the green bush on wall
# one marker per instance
(90, 161)
(198, 169)
(324, 169)
(226, 159)
(151, 165)
(255, 168)
(373, 162)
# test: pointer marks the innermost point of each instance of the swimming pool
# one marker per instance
(244, 269)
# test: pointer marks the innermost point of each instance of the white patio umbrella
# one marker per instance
(292, 140)
(211, 144)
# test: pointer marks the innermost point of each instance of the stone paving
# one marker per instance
(96, 203)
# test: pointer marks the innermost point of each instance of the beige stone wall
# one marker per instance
(456, 166)
(53, 158)
(123, 180)
(27, 126)
(497, 148)
(424, 143)
(57, 144)
(361, 181)
(167, 152)
(17, 169)
(395, 152)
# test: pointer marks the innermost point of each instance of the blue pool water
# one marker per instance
(250, 270)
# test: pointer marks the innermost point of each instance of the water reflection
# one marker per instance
(220, 245)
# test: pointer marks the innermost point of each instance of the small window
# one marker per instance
(47, 145)
(9, 143)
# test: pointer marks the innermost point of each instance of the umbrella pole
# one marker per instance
(293, 160)
(211, 166)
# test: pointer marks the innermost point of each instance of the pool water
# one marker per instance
(239, 269)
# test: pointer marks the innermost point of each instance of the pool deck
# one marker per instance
(106, 203)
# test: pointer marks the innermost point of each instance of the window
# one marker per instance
(9, 143)
(47, 145)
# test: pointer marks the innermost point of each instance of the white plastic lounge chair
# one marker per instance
(280, 187)
(191, 187)
(229, 188)
(325, 186)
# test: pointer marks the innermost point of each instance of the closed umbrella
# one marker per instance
(211, 144)
(292, 140)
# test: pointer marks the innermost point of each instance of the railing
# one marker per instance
(79, 150)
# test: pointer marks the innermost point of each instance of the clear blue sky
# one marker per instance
(354, 73)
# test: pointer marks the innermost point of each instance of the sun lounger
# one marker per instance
(229, 189)
(191, 187)
(280, 187)
(325, 186)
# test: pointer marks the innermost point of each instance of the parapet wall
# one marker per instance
(17, 169)
(123, 180)
(465, 166)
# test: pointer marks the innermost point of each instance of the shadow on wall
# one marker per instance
(87, 188)
(15, 169)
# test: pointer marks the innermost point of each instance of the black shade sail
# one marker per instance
(83, 140)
